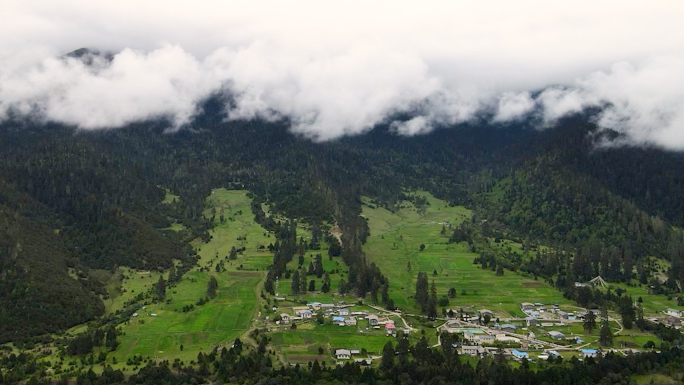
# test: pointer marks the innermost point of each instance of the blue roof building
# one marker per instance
(518, 355)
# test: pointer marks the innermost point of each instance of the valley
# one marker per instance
(409, 239)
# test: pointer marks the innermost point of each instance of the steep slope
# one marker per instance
(36, 291)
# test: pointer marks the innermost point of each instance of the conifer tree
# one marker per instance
(212, 286)
(295, 283)
(160, 289)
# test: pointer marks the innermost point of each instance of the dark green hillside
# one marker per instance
(36, 291)
(104, 191)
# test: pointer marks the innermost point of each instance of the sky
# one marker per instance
(335, 68)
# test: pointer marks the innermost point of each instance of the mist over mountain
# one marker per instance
(343, 70)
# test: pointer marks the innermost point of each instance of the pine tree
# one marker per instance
(212, 286)
(302, 284)
(295, 283)
(318, 267)
(432, 302)
(160, 289)
(326, 283)
(387, 361)
(606, 335)
(110, 339)
(342, 287)
(422, 290)
(589, 323)
(172, 274)
(384, 292)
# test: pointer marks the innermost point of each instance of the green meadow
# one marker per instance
(303, 344)
(164, 331)
(395, 242)
(223, 318)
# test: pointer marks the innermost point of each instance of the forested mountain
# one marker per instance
(93, 200)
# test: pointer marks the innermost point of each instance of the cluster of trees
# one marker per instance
(85, 342)
(299, 284)
(426, 301)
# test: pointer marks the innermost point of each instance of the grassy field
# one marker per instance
(303, 344)
(395, 242)
(659, 379)
(222, 319)
(164, 331)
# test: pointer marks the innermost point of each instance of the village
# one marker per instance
(546, 332)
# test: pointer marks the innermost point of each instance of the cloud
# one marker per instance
(513, 106)
(135, 86)
(340, 68)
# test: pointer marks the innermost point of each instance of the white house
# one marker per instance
(505, 338)
(390, 329)
(674, 313)
(343, 312)
(507, 328)
(557, 335)
(343, 354)
(285, 318)
(315, 305)
(469, 336)
(473, 350)
(373, 320)
(351, 321)
(299, 310)
(485, 338)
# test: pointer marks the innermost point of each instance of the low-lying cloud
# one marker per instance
(340, 69)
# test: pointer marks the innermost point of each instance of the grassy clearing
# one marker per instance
(302, 344)
(653, 304)
(395, 242)
(170, 197)
(660, 379)
(219, 321)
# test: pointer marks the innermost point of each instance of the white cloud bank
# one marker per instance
(337, 68)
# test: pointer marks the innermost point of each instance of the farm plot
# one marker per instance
(410, 239)
(164, 330)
